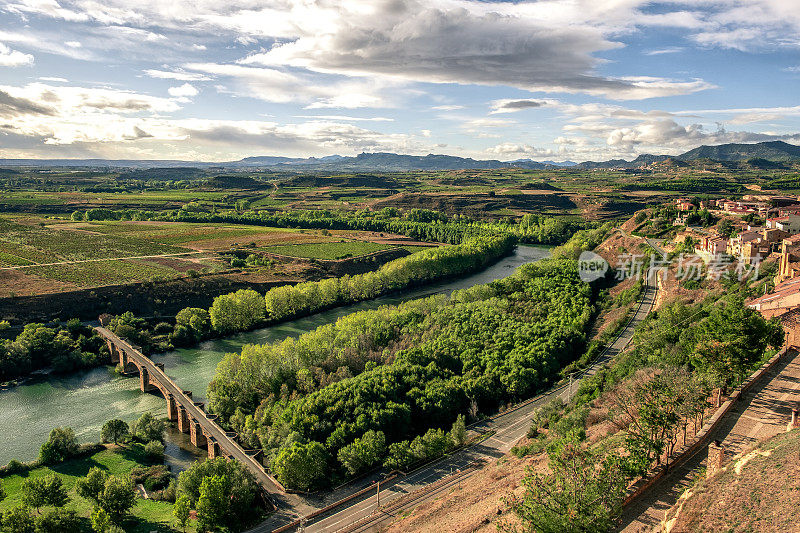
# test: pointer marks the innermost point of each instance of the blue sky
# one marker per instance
(547, 80)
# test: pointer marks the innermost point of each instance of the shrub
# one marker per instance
(58, 521)
(148, 428)
(153, 478)
(154, 450)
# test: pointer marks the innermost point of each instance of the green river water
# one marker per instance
(85, 400)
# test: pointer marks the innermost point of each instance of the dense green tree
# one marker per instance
(118, 497)
(148, 428)
(45, 490)
(192, 324)
(212, 504)
(427, 360)
(91, 487)
(240, 487)
(60, 446)
(181, 510)
(58, 521)
(731, 339)
(364, 452)
(582, 492)
(18, 520)
(154, 450)
(301, 466)
(101, 520)
(458, 433)
(238, 311)
(37, 346)
(114, 431)
(135, 329)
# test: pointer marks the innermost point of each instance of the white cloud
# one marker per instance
(518, 150)
(663, 51)
(74, 44)
(183, 91)
(346, 118)
(282, 86)
(447, 107)
(53, 79)
(13, 58)
(75, 100)
(115, 123)
(462, 42)
(514, 105)
(177, 74)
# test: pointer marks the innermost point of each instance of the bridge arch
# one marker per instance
(190, 415)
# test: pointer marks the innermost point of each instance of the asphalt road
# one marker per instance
(363, 514)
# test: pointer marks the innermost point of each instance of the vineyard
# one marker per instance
(47, 254)
(328, 250)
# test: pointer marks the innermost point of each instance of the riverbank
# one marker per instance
(85, 400)
(147, 515)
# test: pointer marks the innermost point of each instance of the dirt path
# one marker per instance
(20, 267)
(763, 412)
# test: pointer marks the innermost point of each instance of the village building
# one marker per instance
(790, 224)
(713, 244)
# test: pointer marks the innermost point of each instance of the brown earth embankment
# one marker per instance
(166, 298)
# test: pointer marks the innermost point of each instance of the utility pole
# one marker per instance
(378, 495)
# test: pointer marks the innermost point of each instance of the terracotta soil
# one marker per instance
(474, 505)
(22, 284)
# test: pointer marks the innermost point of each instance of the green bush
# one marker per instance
(154, 450)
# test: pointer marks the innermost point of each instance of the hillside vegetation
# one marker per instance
(395, 378)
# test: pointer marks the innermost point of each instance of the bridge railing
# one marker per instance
(184, 398)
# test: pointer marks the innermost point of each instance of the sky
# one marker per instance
(554, 80)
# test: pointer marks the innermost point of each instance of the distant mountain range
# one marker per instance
(773, 151)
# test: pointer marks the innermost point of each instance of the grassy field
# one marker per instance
(147, 515)
(328, 250)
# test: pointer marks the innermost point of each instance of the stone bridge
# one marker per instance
(189, 415)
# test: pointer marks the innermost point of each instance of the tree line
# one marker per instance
(247, 309)
(391, 381)
(420, 224)
(64, 348)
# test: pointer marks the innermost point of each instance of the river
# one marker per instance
(85, 400)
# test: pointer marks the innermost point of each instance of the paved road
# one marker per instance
(763, 412)
(508, 428)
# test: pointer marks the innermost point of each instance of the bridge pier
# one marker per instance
(144, 379)
(172, 407)
(113, 350)
(183, 420)
(196, 435)
(213, 448)
(203, 429)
